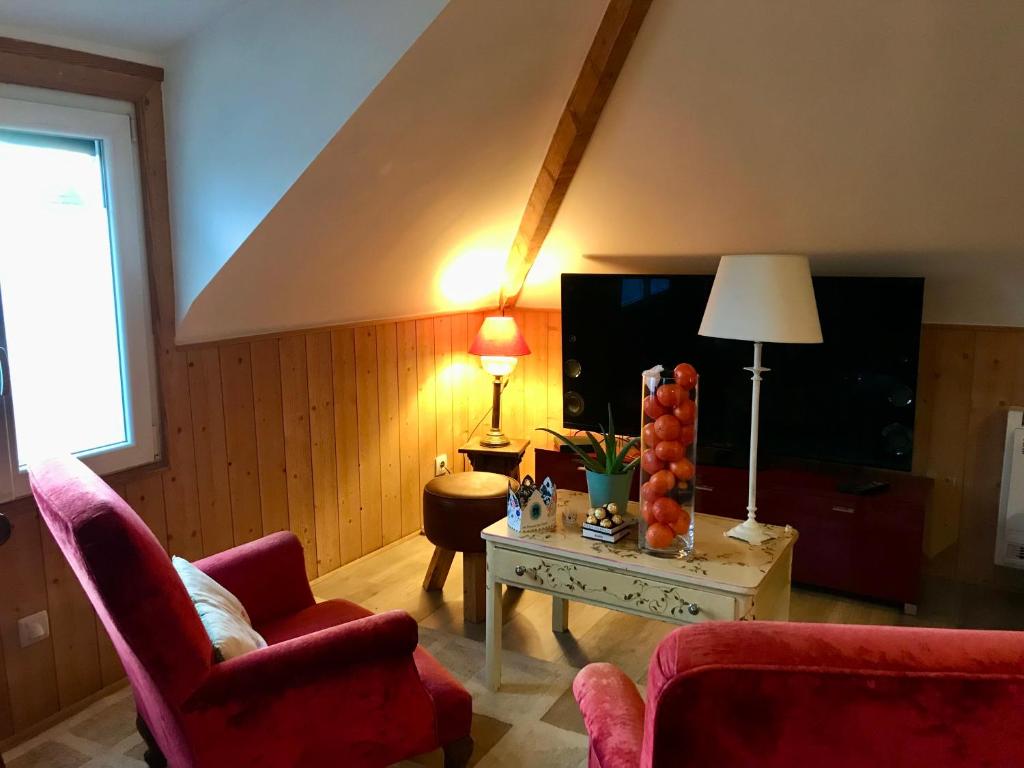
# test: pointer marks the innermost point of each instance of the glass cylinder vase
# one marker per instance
(668, 463)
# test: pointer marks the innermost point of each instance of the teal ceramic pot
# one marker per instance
(607, 488)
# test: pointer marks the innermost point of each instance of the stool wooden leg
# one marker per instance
(437, 571)
(474, 586)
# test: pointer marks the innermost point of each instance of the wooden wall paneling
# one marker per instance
(998, 382)
(146, 496)
(297, 452)
(426, 400)
(31, 671)
(240, 441)
(210, 449)
(369, 437)
(478, 383)
(389, 406)
(181, 493)
(535, 405)
(320, 365)
(945, 372)
(443, 375)
(269, 427)
(408, 428)
(346, 443)
(461, 379)
(72, 626)
(554, 376)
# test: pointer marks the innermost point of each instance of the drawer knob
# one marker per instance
(520, 570)
(693, 609)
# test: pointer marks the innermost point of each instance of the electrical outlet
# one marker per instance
(440, 464)
(34, 628)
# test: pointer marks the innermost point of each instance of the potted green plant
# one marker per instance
(609, 474)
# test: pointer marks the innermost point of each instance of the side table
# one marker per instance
(502, 461)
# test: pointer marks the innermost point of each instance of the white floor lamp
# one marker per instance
(759, 299)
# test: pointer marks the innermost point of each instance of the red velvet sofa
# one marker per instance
(336, 685)
(776, 695)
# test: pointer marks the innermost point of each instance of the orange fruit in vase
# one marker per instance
(650, 463)
(682, 469)
(659, 536)
(652, 408)
(647, 512)
(670, 395)
(663, 481)
(686, 434)
(666, 510)
(649, 492)
(669, 450)
(682, 525)
(650, 437)
(686, 411)
(685, 376)
(667, 427)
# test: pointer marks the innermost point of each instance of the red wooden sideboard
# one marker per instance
(863, 545)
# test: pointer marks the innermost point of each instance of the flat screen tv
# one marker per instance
(849, 400)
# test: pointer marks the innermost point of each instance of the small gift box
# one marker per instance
(531, 509)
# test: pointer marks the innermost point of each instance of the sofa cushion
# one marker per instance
(223, 615)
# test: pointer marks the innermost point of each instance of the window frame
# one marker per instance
(111, 122)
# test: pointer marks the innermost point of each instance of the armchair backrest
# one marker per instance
(775, 694)
(131, 583)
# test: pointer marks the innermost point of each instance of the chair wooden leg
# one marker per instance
(437, 571)
(474, 586)
(458, 753)
(153, 756)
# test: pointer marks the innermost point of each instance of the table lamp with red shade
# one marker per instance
(499, 345)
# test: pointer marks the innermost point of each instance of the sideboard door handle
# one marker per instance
(520, 570)
(704, 487)
(844, 510)
(693, 609)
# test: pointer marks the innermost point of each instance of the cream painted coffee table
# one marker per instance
(725, 579)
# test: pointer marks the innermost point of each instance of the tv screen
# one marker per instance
(849, 400)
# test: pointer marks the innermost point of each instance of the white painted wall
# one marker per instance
(250, 102)
(878, 137)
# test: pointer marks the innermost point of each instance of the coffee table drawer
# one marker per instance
(614, 589)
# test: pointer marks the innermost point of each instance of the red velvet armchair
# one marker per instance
(778, 694)
(336, 685)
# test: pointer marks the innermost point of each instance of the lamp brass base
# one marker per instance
(495, 438)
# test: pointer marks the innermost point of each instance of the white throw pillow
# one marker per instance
(223, 615)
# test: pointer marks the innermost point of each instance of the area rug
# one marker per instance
(531, 721)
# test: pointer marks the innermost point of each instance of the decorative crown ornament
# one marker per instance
(531, 509)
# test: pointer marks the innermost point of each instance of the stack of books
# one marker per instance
(608, 535)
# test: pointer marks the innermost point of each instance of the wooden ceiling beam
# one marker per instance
(600, 70)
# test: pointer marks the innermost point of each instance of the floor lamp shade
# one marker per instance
(759, 299)
(763, 298)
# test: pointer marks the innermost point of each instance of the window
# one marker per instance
(75, 330)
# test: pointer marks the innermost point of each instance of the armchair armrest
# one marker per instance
(305, 659)
(614, 715)
(268, 575)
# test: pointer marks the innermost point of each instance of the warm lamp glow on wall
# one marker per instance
(499, 345)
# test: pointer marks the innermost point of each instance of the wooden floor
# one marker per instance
(392, 579)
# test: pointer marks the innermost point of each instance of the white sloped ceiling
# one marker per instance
(411, 206)
(252, 98)
(878, 137)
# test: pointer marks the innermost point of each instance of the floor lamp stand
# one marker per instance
(750, 530)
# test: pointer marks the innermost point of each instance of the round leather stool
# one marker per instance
(455, 509)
